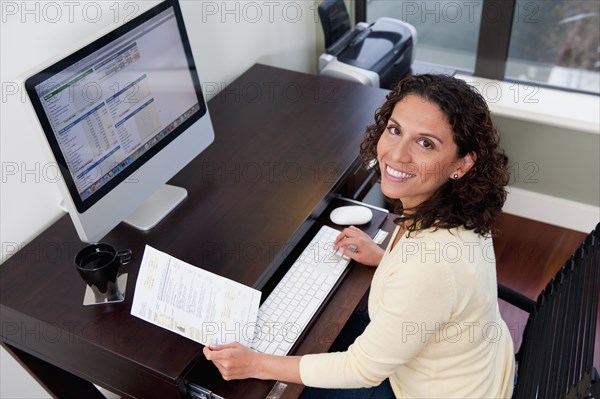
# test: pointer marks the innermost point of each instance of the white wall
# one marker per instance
(226, 37)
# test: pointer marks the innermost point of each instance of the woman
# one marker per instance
(434, 330)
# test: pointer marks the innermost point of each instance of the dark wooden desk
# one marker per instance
(286, 143)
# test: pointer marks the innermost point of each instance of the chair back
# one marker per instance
(556, 355)
(334, 20)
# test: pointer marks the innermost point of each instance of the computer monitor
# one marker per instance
(122, 116)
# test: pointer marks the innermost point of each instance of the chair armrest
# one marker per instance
(516, 299)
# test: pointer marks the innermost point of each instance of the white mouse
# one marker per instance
(351, 215)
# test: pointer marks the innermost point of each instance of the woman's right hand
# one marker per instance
(358, 245)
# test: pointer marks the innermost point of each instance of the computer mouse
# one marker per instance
(351, 215)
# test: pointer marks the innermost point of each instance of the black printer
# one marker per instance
(377, 54)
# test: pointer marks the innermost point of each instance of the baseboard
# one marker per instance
(552, 210)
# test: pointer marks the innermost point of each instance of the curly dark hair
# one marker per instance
(474, 200)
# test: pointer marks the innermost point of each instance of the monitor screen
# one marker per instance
(109, 108)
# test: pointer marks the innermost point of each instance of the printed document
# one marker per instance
(195, 303)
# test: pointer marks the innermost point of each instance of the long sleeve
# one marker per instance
(431, 304)
(398, 331)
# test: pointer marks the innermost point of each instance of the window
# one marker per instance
(546, 42)
(447, 30)
(556, 43)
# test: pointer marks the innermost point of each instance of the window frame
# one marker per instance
(494, 39)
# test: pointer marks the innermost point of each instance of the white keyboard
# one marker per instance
(291, 305)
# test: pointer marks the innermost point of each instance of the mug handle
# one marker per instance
(125, 256)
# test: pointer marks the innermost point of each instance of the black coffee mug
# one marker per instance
(98, 264)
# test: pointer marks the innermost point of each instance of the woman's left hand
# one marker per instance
(234, 361)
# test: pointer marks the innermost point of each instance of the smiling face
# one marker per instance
(417, 153)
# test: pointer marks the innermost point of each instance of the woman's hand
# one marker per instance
(357, 245)
(234, 361)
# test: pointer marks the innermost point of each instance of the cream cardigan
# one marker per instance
(435, 328)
